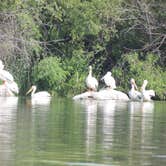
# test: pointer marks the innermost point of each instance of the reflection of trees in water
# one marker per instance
(8, 108)
(33, 102)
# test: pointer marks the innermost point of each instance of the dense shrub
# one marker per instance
(49, 74)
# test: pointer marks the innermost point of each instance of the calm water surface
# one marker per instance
(77, 133)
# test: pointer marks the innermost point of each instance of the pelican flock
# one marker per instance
(109, 93)
(10, 88)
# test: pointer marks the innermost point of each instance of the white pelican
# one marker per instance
(38, 95)
(146, 94)
(1, 65)
(13, 87)
(91, 81)
(109, 80)
(8, 89)
(134, 94)
(3, 90)
(6, 76)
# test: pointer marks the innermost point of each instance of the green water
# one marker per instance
(77, 133)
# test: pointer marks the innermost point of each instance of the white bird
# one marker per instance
(1, 65)
(6, 76)
(38, 95)
(13, 87)
(109, 80)
(146, 94)
(134, 94)
(9, 89)
(91, 81)
(3, 90)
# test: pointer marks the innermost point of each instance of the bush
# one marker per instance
(49, 74)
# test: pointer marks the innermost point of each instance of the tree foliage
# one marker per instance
(78, 33)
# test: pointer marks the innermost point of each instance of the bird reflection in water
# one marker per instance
(43, 103)
(100, 117)
(8, 103)
(141, 119)
(107, 109)
(90, 106)
(8, 116)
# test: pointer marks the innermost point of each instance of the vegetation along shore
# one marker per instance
(51, 43)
